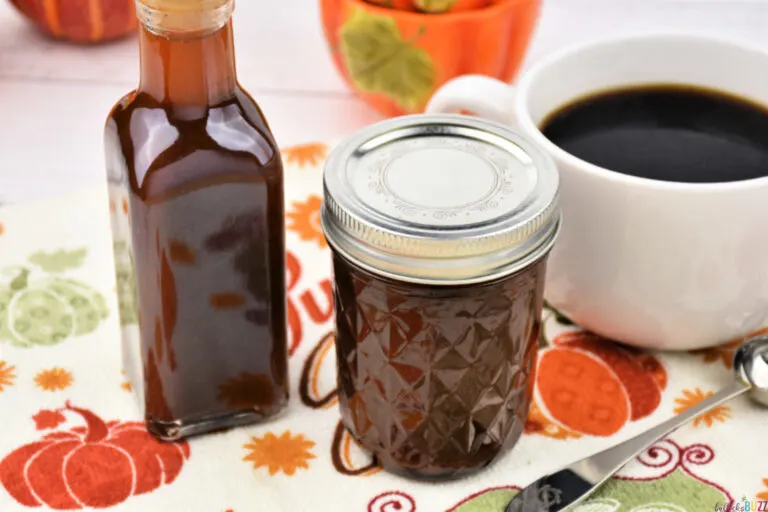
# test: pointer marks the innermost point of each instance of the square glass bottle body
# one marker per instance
(196, 184)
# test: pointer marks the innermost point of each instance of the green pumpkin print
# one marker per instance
(674, 488)
(379, 60)
(126, 284)
(37, 308)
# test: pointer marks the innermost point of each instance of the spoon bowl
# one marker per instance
(751, 366)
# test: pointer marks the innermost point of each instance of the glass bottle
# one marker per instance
(196, 185)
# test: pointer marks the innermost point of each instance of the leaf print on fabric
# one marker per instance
(45, 420)
(434, 6)
(305, 155)
(97, 465)
(286, 453)
(495, 498)
(227, 300)
(181, 253)
(380, 60)
(690, 398)
(45, 310)
(55, 379)
(7, 375)
(670, 484)
(304, 220)
(59, 261)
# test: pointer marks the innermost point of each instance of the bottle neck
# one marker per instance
(189, 65)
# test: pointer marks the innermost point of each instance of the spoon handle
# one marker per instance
(576, 482)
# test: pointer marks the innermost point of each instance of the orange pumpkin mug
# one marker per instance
(89, 22)
(395, 60)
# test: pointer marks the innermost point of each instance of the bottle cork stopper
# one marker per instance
(183, 16)
(184, 6)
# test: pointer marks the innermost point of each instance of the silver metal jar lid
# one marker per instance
(440, 199)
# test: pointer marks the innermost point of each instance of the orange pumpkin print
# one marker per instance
(304, 155)
(7, 375)
(588, 385)
(690, 398)
(55, 379)
(88, 22)
(764, 495)
(538, 423)
(2, 229)
(304, 220)
(99, 465)
(286, 453)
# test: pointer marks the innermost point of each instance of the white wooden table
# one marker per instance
(54, 97)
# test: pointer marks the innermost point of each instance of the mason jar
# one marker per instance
(440, 227)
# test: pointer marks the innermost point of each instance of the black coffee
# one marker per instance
(666, 133)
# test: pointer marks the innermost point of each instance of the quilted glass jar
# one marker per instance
(440, 227)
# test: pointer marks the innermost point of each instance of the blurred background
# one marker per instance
(54, 96)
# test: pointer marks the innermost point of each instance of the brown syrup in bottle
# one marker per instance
(194, 159)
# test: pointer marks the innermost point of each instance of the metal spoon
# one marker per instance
(573, 484)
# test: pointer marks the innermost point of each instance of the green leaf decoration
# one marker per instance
(599, 505)
(21, 281)
(496, 499)
(677, 492)
(59, 261)
(379, 60)
(434, 6)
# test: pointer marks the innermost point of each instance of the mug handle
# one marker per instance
(482, 95)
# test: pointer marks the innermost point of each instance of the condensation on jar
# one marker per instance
(440, 228)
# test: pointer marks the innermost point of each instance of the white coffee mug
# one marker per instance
(649, 263)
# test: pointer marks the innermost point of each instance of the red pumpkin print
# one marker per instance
(593, 386)
(98, 465)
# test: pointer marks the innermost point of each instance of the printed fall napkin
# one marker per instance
(71, 436)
